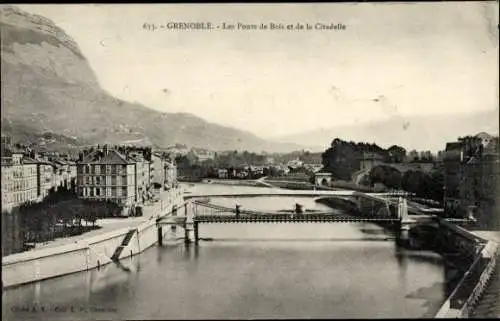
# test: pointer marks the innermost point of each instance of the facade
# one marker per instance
(323, 178)
(471, 178)
(203, 154)
(222, 173)
(46, 177)
(105, 174)
(157, 160)
(164, 171)
(370, 160)
(480, 187)
(19, 180)
(170, 170)
(64, 174)
(296, 163)
(453, 173)
(142, 176)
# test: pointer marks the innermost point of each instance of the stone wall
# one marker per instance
(473, 282)
(238, 182)
(83, 255)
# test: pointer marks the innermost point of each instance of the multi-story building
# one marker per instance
(370, 160)
(480, 185)
(202, 154)
(46, 177)
(142, 175)
(471, 178)
(19, 179)
(105, 174)
(164, 171)
(65, 173)
(453, 173)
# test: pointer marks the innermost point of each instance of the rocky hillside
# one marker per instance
(48, 88)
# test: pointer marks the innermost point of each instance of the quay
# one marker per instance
(115, 241)
(472, 295)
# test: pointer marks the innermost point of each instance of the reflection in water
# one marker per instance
(311, 270)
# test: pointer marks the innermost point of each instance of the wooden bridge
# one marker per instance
(287, 218)
(285, 192)
(209, 213)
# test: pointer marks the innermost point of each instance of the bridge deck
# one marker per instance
(285, 192)
(281, 218)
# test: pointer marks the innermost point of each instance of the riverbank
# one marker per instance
(464, 299)
(232, 182)
(474, 253)
(488, 304)
(114, 241)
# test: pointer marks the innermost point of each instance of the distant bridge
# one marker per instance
(297, 193)
(387, 199)
(206, 212)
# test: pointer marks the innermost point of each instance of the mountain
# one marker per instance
(416, 132)
(49, 90)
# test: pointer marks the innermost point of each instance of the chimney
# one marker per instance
(105, 150)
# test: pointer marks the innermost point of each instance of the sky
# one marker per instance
(391, 59)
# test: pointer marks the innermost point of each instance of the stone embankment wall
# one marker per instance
(85, 254)
(474, 281)
(235, 182)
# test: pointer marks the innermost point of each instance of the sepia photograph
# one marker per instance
(237, 161)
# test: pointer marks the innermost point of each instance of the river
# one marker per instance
(260, 270)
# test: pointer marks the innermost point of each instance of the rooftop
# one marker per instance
(454, 146)
(101, 156)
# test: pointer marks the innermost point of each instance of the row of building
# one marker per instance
(472, 178)
(30, 178)
(125, 175)
(252, 171)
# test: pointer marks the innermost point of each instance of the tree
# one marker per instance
(386, 175)
(413, 156)
(396, 154)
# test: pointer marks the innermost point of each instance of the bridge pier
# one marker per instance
(174, 214)
(187, 240)
(357, 200)
(160, 236)
(196, 235)
(405, 224)
(237, 210)
(404, 234)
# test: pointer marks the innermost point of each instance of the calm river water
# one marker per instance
(303, 270)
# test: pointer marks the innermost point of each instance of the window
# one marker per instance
(98, 180)
(108, 169)
(113, 191)
(97, 192)
(97, 169)
(91, 192)
(124, 191)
